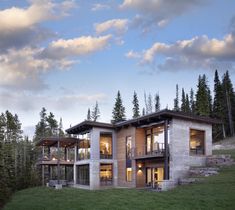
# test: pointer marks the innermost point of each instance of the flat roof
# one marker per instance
(167, 114)
(86, 125)
(143, 120)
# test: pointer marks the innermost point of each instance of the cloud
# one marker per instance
(118, 25)
(198, 52)
(132, 54)
(24, 69)
(24, 101)
(76, 47)
(157, 12)
(21, 26)
(97, 7)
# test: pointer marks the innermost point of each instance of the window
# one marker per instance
(197, 142)
(129, 174)
(83, 175)
(155, 139)
(83, 149)
(106, 174)
(106, 146)
(128, 147)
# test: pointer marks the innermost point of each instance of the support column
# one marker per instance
(58, 162)
(166, 153)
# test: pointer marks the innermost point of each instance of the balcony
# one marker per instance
(54, 160)
(143, 153)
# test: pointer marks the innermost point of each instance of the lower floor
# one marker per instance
(104, 174)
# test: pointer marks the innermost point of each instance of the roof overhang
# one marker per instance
(87, 125)
(53, 141)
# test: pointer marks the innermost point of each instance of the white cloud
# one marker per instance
(24, 68)
(21, 26)
(76, 47)
(198, 52)
(97, 7)
(132, 54)
(118, 25)
(157, 12)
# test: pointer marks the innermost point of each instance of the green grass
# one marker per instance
(217, 192)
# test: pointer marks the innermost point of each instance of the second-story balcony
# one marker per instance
(143, 152)
(55, 159)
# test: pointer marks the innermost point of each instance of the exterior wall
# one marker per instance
(95, 161)
(180, 159)
(121, 156)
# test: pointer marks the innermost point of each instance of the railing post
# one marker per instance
(166, 152)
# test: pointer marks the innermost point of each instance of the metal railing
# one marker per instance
(157, 149)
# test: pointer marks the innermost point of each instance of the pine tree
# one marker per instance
(203, 97)
(229, 104)
(218, 107)
(157, 102)
(88, 114)
(143, 111)
(118, 110)
(61, 132)
(187, 105)
(183, 101)
(41, 127)
(176, 100)
(192, 102)
(95, 114)
(52, 125)
(136, 111)
(150, 104)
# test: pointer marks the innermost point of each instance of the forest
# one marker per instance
(18, 154)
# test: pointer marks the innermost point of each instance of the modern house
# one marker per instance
(154, 150)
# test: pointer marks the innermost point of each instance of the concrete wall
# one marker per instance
(95, 161)
(180, 159)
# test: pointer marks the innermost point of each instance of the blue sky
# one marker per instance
(66, 55)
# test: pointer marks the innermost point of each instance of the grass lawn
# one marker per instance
(217, 192)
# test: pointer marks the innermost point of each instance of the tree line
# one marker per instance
(199, 102)
(18, 154)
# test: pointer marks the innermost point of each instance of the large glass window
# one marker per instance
(197, 142)
(83, 149)
(128, 147)
(83, 175)
(155, 139)
(129, 174)
(106, 174)
(106, 146)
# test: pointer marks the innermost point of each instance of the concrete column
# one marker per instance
(94, 175)
(166, 153)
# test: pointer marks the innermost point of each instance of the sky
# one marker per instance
(65, 55)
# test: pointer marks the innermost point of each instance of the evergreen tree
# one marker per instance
(183, 101)
(150, 104)
(203, 97)
(41, 127)
(61, 132)
(88, 114)
(52, 125)
(187, 105)
(229, 104)
(176, 100)
(143, 111)
(192, 102)
(157, 103)
(118, 110)
(218, 107)
(136, 111)
(95, 114)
